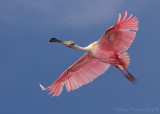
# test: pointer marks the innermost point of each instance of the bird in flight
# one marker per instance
(110, 49)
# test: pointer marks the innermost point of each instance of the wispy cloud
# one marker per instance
(69, 12)
(61, 12)
(91, 12)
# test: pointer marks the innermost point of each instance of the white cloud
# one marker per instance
(91, 12)
(64, 12)
(59, 12)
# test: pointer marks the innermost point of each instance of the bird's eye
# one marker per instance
(73, 43)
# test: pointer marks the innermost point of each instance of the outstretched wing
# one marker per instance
(85, 70)
(120, 36)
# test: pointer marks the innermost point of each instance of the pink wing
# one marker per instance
(119, 37)
(85, 70)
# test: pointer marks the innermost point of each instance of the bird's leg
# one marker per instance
(129, 77)
(112, 60)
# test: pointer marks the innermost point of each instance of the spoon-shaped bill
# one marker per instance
(55, 40)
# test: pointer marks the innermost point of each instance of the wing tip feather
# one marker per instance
(119, 17)
(42, 87)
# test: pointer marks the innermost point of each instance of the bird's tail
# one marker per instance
(124, 57)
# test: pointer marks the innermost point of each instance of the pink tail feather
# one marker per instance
(124, 57)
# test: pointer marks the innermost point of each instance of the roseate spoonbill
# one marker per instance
(108, 50)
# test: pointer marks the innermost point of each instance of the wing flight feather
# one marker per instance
(119, 37)
(85, 70)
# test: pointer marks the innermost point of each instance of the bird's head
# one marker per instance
(66, 43)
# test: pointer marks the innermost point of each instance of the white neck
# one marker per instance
(85, 49)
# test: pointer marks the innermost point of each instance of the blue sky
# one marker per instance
(27, 58)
